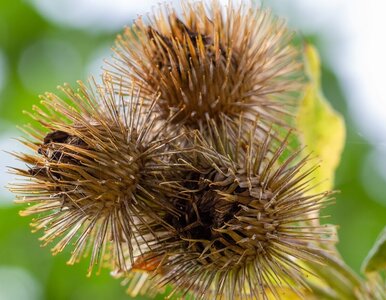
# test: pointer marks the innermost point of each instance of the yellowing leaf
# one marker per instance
(288, 294)
(321, 128)
(376, 259)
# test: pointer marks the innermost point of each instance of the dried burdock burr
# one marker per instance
(93, 177)
(211, 61)
(244, 229)
(176, 172)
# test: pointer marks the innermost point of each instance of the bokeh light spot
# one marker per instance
(8, 144)
(92, 15)
(47, 63)
(18, 284)
(96, 62)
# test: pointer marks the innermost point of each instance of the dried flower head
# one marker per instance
(244, 226)
(212, 61)
(93, 178)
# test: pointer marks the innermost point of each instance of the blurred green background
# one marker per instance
(36, 55)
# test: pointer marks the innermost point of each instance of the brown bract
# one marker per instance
(223, 210)
(211, 61)
(244, 228)
(95, 176)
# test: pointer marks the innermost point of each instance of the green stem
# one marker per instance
(338, 276)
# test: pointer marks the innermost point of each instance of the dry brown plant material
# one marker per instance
(94, 176)
(212, 60)
(244, 228)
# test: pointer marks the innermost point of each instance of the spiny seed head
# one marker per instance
(93, 177)
(244, 229)
(212, 61)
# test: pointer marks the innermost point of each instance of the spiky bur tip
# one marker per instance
(244, 229)
(212, 61)
(95, 175)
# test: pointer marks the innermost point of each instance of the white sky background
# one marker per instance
(353, 32)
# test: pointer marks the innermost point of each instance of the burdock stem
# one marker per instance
(341, 279)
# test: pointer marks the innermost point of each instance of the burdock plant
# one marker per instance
(93, 176)
(212, 61)
(244, 227)
(175, 173)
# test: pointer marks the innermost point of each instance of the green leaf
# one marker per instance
(321, 128)
(376, 259)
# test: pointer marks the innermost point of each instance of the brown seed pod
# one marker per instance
(244, 229)
(212, 61)
(93, 178)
